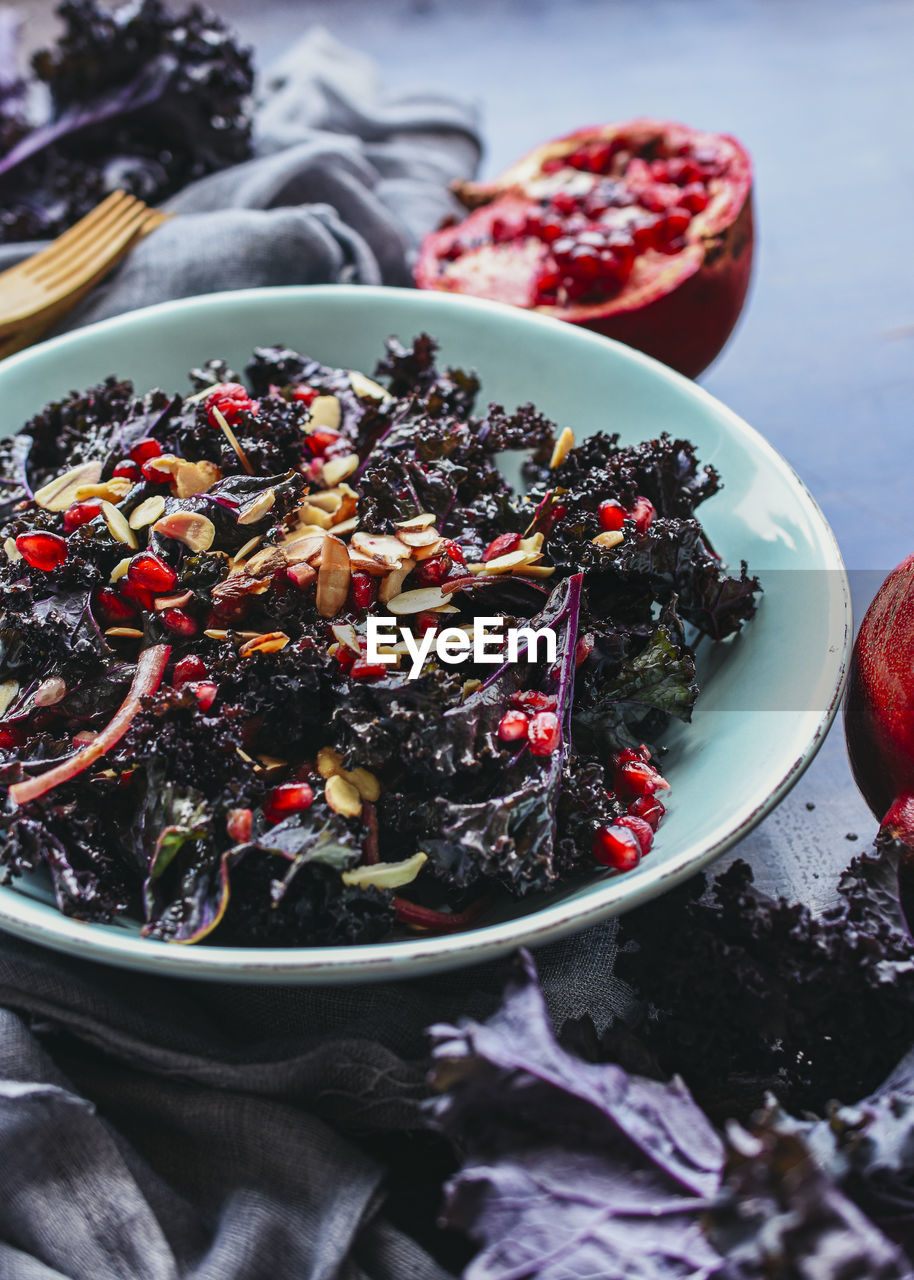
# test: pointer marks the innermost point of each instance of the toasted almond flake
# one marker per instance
(386, 875)
(12, 551)
(246, 550)
(8, 691)
(230, 436)
(272, 642)
(265, 562)
(333, 577)
(470, 686)
(611, 538)
(330, 500)
(119, 570)
(243, 755)
(195, 531)
(360, 563)
(326, 414)
(313, 515)
(342, 797)
(113, 490)
(328, 762)
(188, 478)
(255, 510)
(417, 601)
(58, 494)
(426, 553)
(393, 582)
(533, 543)
(129, 633)
(344, 527)
(363, 386)
(513, 560)
(538, 571)
(346, 634)
(563, 446)
(421, 521)
(147, 512)
(308, 548)
(337, 469)
(117, 525)
(50, 692)
(382, 546)
(349, 504)
(419, 537)
(216, 634)
(172, 602)
(272, 763)
(448, 608)
(201, 395)
(364, 782)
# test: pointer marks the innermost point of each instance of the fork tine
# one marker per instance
(75, 233)
(93, 266)
(62, 263)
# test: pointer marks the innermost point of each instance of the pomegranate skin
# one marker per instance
(680, 310)
(879, 706)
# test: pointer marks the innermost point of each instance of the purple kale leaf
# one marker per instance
(139, 100)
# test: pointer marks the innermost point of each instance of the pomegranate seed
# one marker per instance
(553, 164)
(231, 399)
(238, 824)
(114, 607)
(564, 202)
(362, 590)
(643, 512)
(617, 847)
(455, 551)
(291, 797)
(345, 657)
(140, 595)
(584, 649)
(188, 669)
(179, 623)
(547, 282)
(127, 470)
(694, 198)
(677, 221)
(152, 473)
(11, 736)
(551, 230)
(45, 551)
(205, 693)
(611, 515)
(145, 449)
(149, 571)
(512, 725)
(320, 441)
(643, 831)
(544, 733)
(362, 670)
(81, 513)
(503, 545)
(432, 572)
(502, 231)
(427, 621)
(649, 808)
(640, 778)
(305, 395)
(532, 700)
(633, 753)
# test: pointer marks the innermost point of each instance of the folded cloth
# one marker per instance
(154, 1129)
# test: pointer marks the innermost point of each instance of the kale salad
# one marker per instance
(196, 734)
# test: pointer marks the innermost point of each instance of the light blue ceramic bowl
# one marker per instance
(768, 697)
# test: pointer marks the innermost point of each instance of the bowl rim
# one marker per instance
(407, 958)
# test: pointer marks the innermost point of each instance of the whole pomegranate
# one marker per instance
(640, 231)
(879, 707)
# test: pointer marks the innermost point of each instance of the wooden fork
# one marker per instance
(36, 293)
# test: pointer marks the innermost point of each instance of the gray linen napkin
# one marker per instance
(154, 1129)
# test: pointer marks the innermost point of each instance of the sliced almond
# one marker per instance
(125, 633)
(513, 560)
(8, 691)
(342, 797)
(337, 469)
(314, 515)
(238, 557)
(382, 546)
(364, 782)
(349, 502)
(161, 603)
(272, 763)
(60, 493)
(194, 530)
(201, 395)
(117, 526)
(255, 510)
(306, 548)
(533, 543)
(421, 521)
(393, 582)
(344, 527)
(426, 552)
(539, 571)
(215, 634)
(563, 447)
(147, 512)
(386, 875)
(113, 490)
(419, 537)
(363, 386)
(333, 577)
(120, 570)
(229, 434)
(188, 478)
(345, 633)
(12, 551)
(611, 538)
(417, 601)
(326, 414)
(328, 762)
(330, 500)
(271, 642)
(265, 562)
(360, 563)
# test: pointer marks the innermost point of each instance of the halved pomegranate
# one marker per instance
(640, 231)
